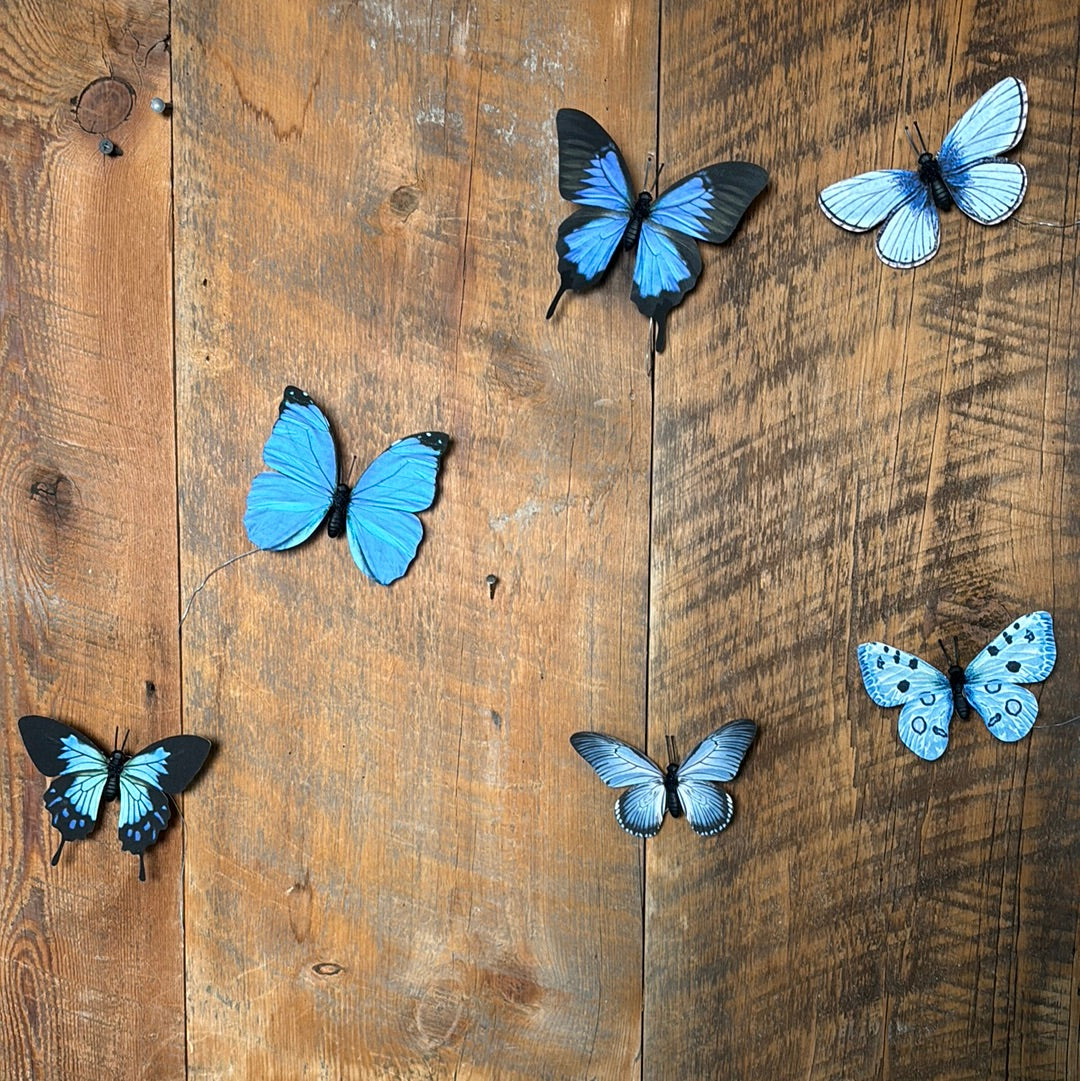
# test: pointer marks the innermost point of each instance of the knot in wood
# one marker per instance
(104, 104)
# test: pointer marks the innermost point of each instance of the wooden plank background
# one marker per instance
(394, 865)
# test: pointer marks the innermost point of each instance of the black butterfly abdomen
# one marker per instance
(335, 522)
(112, 782)
(956, 682)
(638, 214)
(671, 787)
(930, 174)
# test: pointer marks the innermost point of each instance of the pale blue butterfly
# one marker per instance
(968, 171)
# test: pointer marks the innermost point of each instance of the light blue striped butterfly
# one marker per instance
(691, 788)
(968, 171)
(1024, 652)
(378, 513)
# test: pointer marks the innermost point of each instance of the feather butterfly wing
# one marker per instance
(984, 185)
(286, 506)
(1024, 652)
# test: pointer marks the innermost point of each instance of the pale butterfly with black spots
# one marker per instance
(691, 789)
(1024, 652)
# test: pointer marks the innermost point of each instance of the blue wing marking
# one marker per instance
(710, 203)
(587, 243)
(384, 532)
(617, 764)
(666, 263)
(990, 127)
(604, 183)
(591, 169)
(285, 507)
(912, 235)
(990, 191)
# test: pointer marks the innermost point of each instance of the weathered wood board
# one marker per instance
(394, 865)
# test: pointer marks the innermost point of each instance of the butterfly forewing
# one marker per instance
(710, 203)
(993, 125)
(617, 764)
(591, 169)
(719, 755)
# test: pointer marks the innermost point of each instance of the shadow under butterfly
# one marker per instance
(86, 778)
(1024, 652)
(691, 789)
(706, 205)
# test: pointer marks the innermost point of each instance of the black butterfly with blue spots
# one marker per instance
(85, 778)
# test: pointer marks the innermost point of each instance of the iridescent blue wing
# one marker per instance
(710, 203)
(984, 186)
(895, 678)
(285, 507)
(1024, 652)
(897, 197)
(147, 779)
(640, 810)
(74, 798)
(381, 522)
(706, 205)
(593, 174)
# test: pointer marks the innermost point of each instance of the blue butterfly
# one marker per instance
(84, 777)
(968, 172)
(689, 789)
(706, 205)
(378, 513)
(1023, 653)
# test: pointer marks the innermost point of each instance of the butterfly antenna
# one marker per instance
(672, 750)
(116, 738)
(124, 744)
(56, 855)
(907, 132)
(202, 585)
(922, 141)
(348, 476)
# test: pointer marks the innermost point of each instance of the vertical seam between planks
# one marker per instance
(649, 566)
(179, 580)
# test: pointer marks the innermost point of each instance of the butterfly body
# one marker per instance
(706, 205)
(378, 514)
(931, 175)
(968, 172)
(691, 788)
(86, 778)
(1024, 652)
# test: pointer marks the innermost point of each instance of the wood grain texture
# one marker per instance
(844, 453)
(397, 872)
(92, 959)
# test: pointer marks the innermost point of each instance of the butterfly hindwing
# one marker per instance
(285, 507)
(384, 531)
(640, 810)
(666, 268)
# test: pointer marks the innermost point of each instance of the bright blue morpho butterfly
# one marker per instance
(85, 778)
(706, 205)
(377, 514)
(1024, 652)
(690, 789)
(967, 172)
